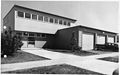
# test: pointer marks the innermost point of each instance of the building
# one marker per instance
(37, 28)
(87, 38)
(41, 29)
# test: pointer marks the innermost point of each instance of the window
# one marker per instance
(56, 21)
(46, 19)
(19, 33)
(39, 35)
(25, 34)
(64, 22)
(40, 18)
(31, 34)
(60, 21)
(51, 20)
(34, 16)
(43, 35)
(68, 23)
(20, 14)
(27, 15)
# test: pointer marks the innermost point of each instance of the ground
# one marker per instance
(63, 63)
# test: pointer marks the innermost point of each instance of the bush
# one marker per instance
(10, 43)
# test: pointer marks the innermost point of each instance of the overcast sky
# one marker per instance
(100, 15)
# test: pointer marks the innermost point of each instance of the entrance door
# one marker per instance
(87, 41)
(31, 42)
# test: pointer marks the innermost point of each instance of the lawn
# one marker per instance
(111, 59)
(21, 56)
(79, 53)
(55, 69)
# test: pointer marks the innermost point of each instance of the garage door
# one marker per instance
(87, 41)
(100, 39)
(110, 39)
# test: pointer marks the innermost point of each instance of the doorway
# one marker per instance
(31, 42)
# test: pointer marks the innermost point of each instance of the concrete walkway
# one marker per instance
(87, 62)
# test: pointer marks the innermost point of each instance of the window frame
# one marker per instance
(60, 22)
(27, 15)
(56, 21)
(34, 17)
(32, 35)
(20, 12)
(65, 23)
(46, 19)
(51, 20)
(40, 18)
(68, 23)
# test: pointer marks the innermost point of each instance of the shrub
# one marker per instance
(10, 43)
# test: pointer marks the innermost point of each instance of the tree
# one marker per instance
(10, 42)
(74, 44)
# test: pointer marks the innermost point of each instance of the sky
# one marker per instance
(96, 14)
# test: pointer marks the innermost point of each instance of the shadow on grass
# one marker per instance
(111, 59)
(79, 53)
(55, 69)
(21, 56)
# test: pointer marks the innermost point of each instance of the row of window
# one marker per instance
(42, 18)
(31, 34)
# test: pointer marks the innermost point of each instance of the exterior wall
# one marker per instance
(8, 20)
(63, 38)
(40, 42)
(23, 24)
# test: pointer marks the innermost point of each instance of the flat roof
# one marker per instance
(97, 29)
(44, 12)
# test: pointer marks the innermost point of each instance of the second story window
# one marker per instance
(38, 35)
(40, 18)
(31, 34)
(20, 14)
(56, 21)
(25, 34)
(34, 16)
(64, 22)
(68, 24)
(43, 36)
(46, 19)
(27, 15)
(60, 21)
(51, 20)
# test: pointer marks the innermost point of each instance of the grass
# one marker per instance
(111, 59)
(21, 56)
(55, 69)
(79, 53)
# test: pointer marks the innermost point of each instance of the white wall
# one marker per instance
(24, 44)
(39, 44)
(24, 24)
